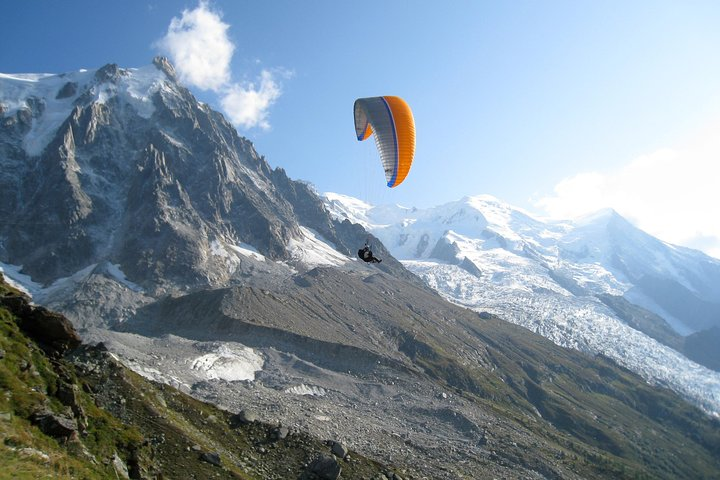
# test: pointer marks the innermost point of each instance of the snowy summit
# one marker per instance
(558, 279)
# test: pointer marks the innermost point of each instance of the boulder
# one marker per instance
(339, 450)
(280, 432)
(243, 418)
(56, 426)
(326, 467)
(213, 458)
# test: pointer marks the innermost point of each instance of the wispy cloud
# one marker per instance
(247, 106)
(199, 47)
(670, 193)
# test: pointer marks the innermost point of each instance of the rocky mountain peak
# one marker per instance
(68, 90)
(109, 73)
(127, 171)
(164, 65)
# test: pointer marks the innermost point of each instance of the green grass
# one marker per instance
(132, 417)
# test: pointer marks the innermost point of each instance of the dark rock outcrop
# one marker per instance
(445, 250)
(68, 90)
(326, 467)
(243, 418)
(213, 458)
(56, 426)
(339, 450)
(51, 330)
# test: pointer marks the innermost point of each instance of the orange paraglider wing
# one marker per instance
(391, 120)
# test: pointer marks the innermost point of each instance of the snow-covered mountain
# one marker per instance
(572, 282)
(122, 173)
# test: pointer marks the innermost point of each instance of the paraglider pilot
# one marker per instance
(366, 255)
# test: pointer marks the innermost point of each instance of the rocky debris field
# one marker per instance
(425, 430)
(74, 411)
(425, 388)
(433, 389)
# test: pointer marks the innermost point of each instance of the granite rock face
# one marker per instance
(125, 166)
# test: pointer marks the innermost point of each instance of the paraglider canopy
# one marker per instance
(391, 120)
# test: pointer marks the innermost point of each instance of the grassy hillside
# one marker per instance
(81, 414)
(73, 411)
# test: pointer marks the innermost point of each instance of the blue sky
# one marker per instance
(558, 107)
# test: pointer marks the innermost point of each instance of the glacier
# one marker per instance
(488, 256)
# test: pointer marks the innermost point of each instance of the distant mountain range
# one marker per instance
(600, 284)
(144, 217)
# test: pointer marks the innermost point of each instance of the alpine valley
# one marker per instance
(487, 344)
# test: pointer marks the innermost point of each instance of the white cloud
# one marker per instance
(673, 194)
(198, 45)
(247, 106)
